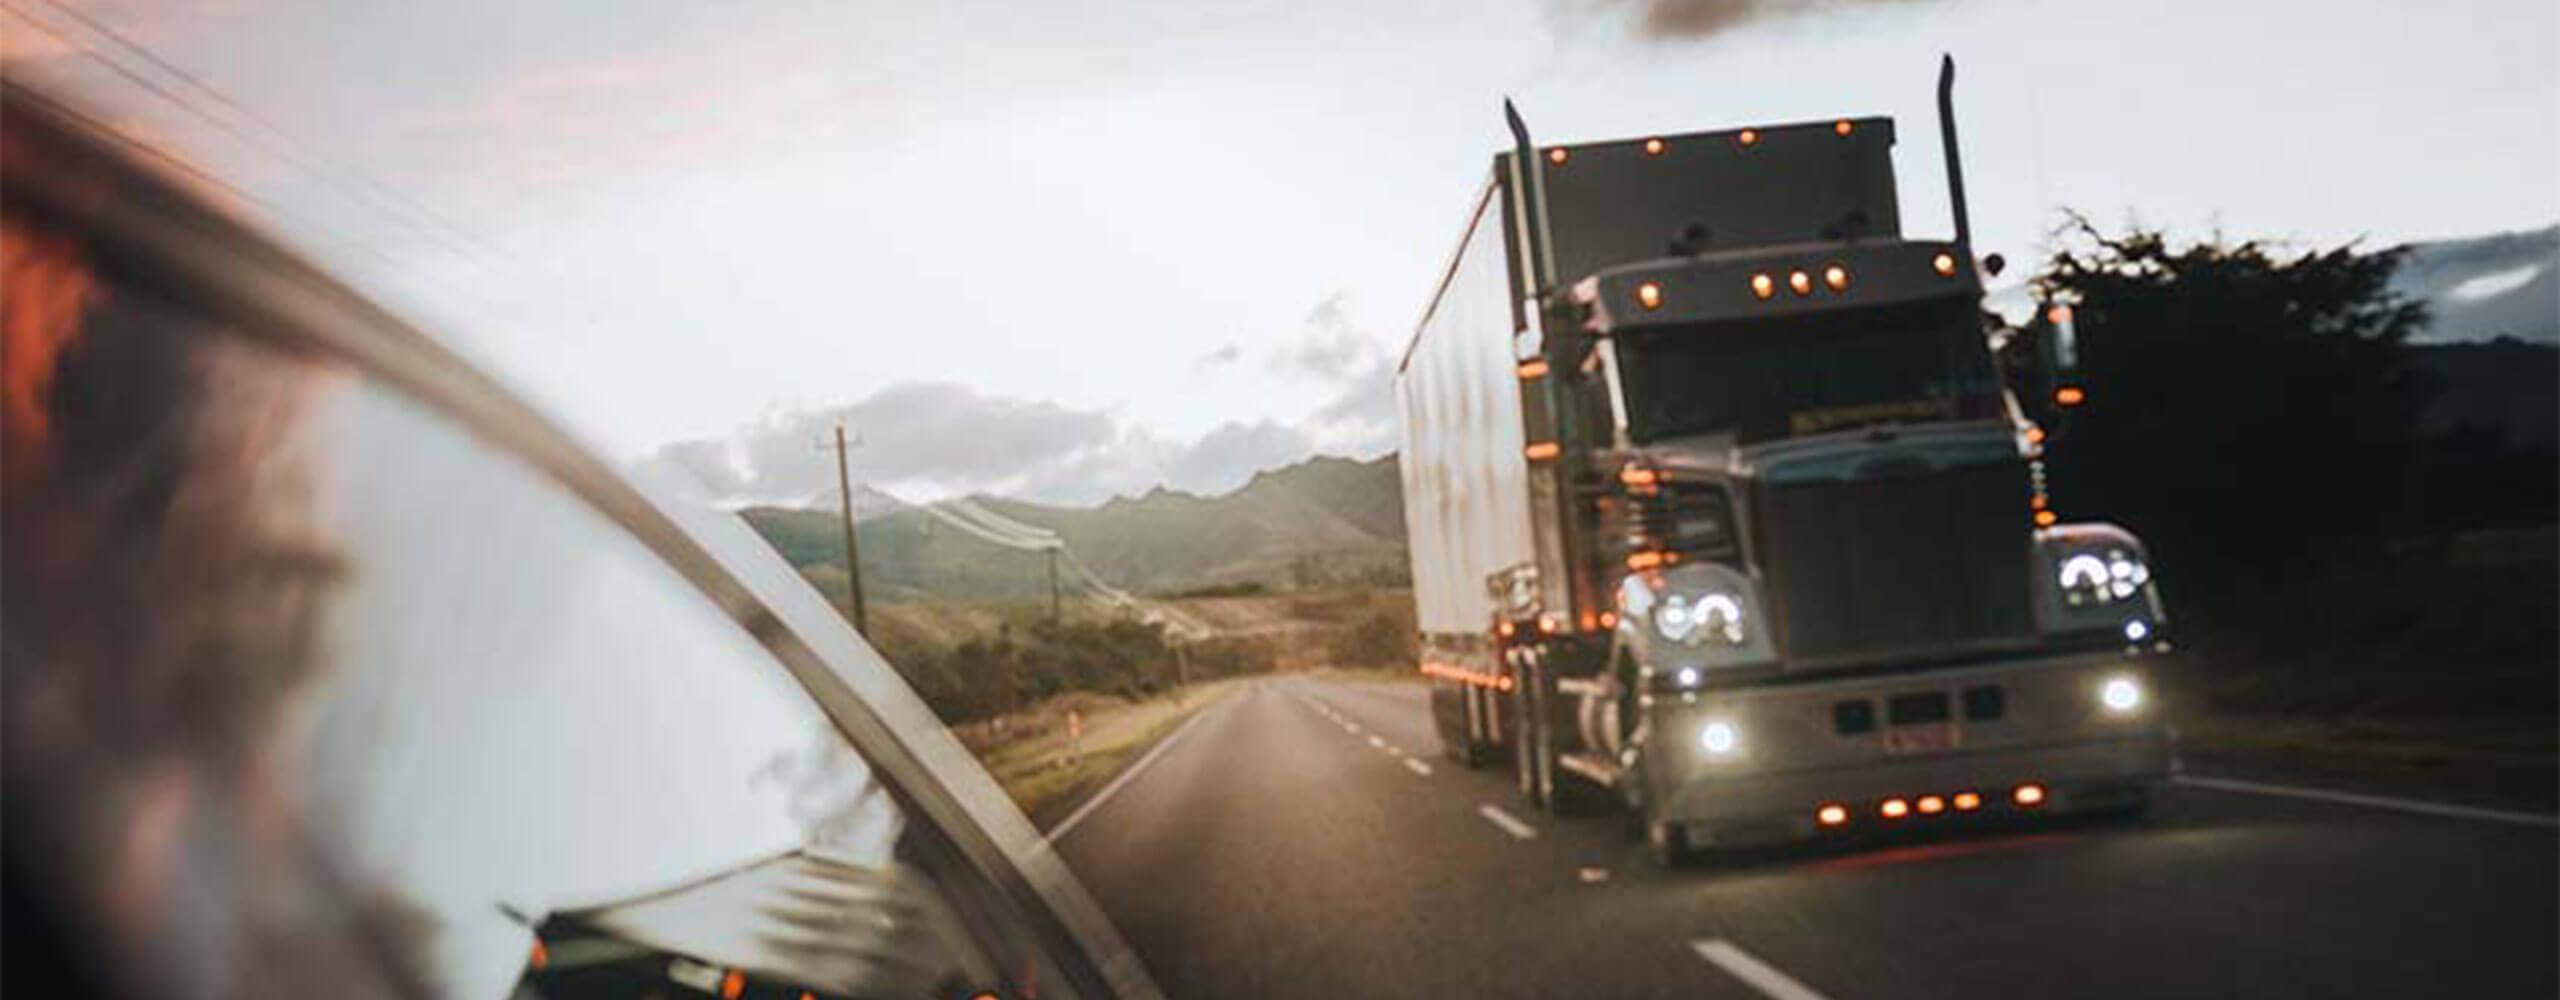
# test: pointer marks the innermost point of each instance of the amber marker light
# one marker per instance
(1557, 156)
(1643, 560)
(732, 985)
(1831, 814)
(1837, 277)
(1762, 286)
(1749, 137)
(1649, 295)
(1967, 802)
(1637, 475)
(2035, 435)
(1542, 451)
(2029, 795)
(1533, 368)
(2045, 518)
(1894, 809)
(1801, 282)
(1944, 264)
(2070, 395)
(1843, 127)
(1653, 147)
(1930, 805)
(1608, 619)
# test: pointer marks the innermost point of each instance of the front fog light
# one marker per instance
(1718, 738)
(2121, 694)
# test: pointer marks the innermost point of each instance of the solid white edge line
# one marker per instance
(2370, 801)
(1059, 832)
(1510, 824)
(1758, 974)
(1417, 767)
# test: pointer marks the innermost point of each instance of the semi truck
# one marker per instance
(1726, 503)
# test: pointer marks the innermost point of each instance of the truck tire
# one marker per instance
(1667, 844)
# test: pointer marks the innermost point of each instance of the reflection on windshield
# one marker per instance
(1805, 375)
(300, 671)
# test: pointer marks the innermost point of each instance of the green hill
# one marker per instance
(1324, 521)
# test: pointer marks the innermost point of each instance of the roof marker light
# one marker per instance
(1945, 264)
(1653, 147)
(1831, 814)
(1749, 137)
(1930, 805)
(2029, 795)
(1801, 282)
(1762, 286)
(1557, 155)
(1649, 295)
(1837, 277)
(1894, 809)
(1843, 127)
(1967, 802)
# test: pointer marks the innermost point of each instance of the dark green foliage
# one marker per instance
(2260, 418)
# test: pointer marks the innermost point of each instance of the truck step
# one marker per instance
(1595, 766)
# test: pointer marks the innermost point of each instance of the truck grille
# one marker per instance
(1900, 560)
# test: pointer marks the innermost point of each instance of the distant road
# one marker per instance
(1303, 838)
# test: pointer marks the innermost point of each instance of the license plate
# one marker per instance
(1930, 737)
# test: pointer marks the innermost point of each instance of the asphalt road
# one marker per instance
(1304, 838)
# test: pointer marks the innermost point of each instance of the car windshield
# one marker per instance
(1806, 374)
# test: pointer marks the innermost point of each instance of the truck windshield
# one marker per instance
(1806, 374)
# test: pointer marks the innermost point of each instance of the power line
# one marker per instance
(380, 197)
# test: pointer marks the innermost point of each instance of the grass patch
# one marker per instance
(1037, 782)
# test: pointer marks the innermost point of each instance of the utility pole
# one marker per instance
(1053, 585)
(852, 553)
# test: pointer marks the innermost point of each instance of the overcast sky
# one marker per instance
(1070, 249)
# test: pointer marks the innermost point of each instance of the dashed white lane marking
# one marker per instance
(1417, 767)
(1510, 824)
(1059, 832)
(1760, 975)
(2369, 801)
(1376, 742)
(1352, 727)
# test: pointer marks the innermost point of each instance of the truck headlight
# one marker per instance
(2088, 578)
(2120, 694)
(1715, 617)
(1718, 738)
